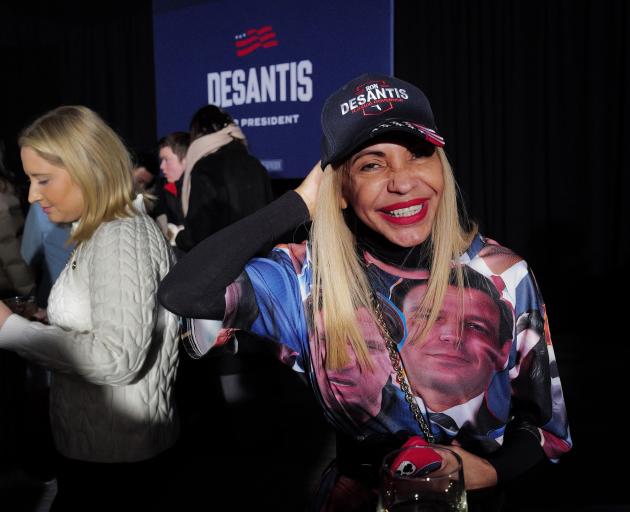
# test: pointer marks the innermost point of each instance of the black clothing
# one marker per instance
(418, 256)
(150, 484)
(225, 187)
(170, 204)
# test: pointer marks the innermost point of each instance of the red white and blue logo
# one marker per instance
(373, 98)
(253, 39)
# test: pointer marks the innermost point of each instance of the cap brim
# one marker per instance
(392, 125)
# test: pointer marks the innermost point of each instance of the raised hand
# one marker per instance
(309, 188)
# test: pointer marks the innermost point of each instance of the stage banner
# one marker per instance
(270, 65)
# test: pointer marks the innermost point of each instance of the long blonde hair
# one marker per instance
(340, 285)
(77, 139)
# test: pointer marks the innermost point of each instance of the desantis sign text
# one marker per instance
(288, 81)
(270, 65)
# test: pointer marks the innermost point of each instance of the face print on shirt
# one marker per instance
(354, 390)
(459, 355)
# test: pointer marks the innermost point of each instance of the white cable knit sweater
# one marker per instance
(111, 346)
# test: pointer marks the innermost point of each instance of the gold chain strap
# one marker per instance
(401, 375)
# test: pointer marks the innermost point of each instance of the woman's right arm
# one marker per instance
(195, 287)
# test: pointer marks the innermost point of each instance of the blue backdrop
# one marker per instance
(271, 65)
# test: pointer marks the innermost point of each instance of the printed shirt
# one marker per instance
(478, 368)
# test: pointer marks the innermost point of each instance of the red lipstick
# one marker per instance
(404, 218)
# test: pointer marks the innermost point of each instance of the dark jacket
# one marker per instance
(225, 187)
(170, 204)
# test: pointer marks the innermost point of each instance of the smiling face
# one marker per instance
(394, 186)
(52, 187)
(462, 350)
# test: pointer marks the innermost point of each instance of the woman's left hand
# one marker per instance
(5, 313)
(478, 472)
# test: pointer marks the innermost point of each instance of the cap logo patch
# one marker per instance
(373, 98)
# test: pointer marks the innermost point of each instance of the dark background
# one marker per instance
(533, 100)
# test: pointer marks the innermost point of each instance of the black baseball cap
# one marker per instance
(369, 105)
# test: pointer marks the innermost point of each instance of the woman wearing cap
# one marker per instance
(112, 348)
(384, 218)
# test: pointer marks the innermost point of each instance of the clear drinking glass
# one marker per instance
(422, 478)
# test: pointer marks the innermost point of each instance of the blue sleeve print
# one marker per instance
(281, 313)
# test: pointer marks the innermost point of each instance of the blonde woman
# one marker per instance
(385, 221)
(110, 345)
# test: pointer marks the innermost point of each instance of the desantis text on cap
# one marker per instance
(369, 105)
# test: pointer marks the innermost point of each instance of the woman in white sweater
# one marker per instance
(112, 348)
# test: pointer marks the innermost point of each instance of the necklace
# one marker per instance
(401, 375)
(73, 259)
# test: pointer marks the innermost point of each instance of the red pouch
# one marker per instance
(415, 463)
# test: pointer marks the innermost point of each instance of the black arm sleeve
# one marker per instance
(519, 452)
(195, 286)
